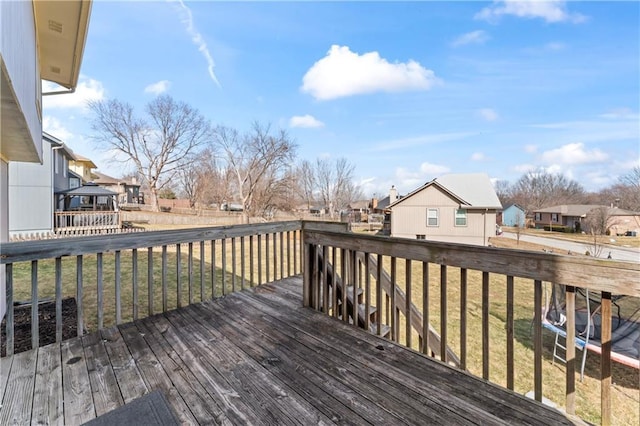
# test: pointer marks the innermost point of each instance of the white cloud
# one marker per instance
(345, 73)
(488, 114)
(420, 140)
(478, 156)
(531, 149)
(474, 37)
(198, 40)
(433, 169)
(524, 168)
(555, 46)
(158, 87)
(54, 127)
(305, 121)
(549, 10)
(620, 114)
(87, 90)
(573, 153)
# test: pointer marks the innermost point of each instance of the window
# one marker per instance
(432, 217)
(554, 217)
(461, 217)
(421, 237)
(538, 217)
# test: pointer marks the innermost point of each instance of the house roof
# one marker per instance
(470, 189)
(87, 189)
(583, 209)
(102, 179)
(516, 205)
(361, 204)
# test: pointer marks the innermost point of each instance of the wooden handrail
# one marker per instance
(601, 276)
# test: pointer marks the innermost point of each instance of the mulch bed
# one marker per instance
(46, 324)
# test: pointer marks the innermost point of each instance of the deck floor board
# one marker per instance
(254, 357)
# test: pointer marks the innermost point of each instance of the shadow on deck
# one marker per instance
(253, 357)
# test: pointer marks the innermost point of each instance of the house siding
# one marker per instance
(31, 195)
(513, 216)
(409, 219)
(4, 230)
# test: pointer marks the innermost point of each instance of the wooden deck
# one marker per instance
(253, 357)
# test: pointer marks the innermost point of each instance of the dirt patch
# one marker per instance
(46, 324)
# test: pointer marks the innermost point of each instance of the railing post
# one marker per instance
(307, 286)
(605, 358)
(537, 340)
(571, 349)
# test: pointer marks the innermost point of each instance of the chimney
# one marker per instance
(374, 203)
(393, 194)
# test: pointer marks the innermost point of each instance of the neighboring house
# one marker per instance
(128, 190)
(512, 215)
(458, 208)
(82, 166)
(38, 40)
(382, 205)
(31, 184)
(361, 206)
(574, 216)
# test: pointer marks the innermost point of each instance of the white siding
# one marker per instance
(409, 219)
(31, 195)
(18, 50)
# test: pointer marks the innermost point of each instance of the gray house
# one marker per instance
(458, 208)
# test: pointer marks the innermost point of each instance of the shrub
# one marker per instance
(559, 228)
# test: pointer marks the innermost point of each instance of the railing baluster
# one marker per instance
(353, 261)
(408, 303)
(571, 350)
(34, 305)
(281, 255)
(242, 263)
(251, 251)
(334, 284)
(266, 257)
(537, 340)
(178, 276)
(295, 252)
(288, 253)
(443, 313)
(214, 278)
(99, 279)
(9, 328)
(223, 246)
(150, 280)
(275, 257)
(379, 295)
(317, 285)
(367, 293)
(259, 259)
(164, 278)
(233, 265)
(605, 358)
(510, 334)
(394, 317)
(426, 349)
(118, 289)
(325, 279)
(79, 296)
(134, 283)
(485, 325)
(190, 272)
(202, 254)
(58, 299)
(343, 275)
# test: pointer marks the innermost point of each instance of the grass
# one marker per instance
(606, 240)
(625, 392)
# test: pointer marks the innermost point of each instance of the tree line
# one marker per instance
(173, 148)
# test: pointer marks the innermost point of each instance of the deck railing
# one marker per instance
(71, 221)
(351, 277)
(119, 278)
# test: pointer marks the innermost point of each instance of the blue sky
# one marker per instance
(405, 91)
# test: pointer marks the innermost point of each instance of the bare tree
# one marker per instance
(538, 189)
(597, 224)
(503, 191)
(335, 184)
(254, 158)
(157, 144)
(306, 182)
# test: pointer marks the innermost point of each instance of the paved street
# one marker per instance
(628, 254)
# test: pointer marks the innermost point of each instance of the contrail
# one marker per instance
(197, 39)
